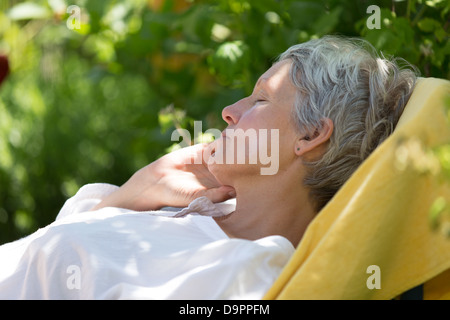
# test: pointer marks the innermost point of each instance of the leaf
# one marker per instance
(303, 14)
(229, 60)
(58, 6)
(29, 10)
(437, 208)
(428, 24)
(440, 33)
(327, 22)
(443, 155)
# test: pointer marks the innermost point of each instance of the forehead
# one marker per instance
(276, 79)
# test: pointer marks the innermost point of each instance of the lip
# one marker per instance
(224, 133)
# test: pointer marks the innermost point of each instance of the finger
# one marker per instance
(206, 153)
(220, 194)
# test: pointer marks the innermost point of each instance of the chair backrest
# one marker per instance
(373, 240)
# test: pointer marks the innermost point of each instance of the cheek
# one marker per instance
(258, 140)
(247, 147)
(266, 133)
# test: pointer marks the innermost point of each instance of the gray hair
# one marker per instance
(364, 95)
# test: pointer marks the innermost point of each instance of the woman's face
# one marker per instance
(261, 134)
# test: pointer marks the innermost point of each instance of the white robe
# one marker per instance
(115, 253)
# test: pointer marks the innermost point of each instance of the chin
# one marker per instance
(222, 172)
(227, 170)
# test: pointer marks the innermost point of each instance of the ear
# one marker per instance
(307, 143)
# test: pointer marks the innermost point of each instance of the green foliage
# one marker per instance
(96, 103)
(440, 209)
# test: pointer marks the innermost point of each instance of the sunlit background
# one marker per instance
(91, 90)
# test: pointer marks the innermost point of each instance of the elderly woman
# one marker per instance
(328, 102)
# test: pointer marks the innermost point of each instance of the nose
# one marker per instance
(228, 116)
(232, 113)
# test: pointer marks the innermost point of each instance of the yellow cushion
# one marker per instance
(380, 217)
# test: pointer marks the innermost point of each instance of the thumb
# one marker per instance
(220, 194)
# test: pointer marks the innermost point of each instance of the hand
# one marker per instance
(173, 180)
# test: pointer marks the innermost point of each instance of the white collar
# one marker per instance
(204, 207)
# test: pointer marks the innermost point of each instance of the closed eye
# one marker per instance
(259, 101)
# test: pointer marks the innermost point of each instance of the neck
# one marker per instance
(278, 206)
